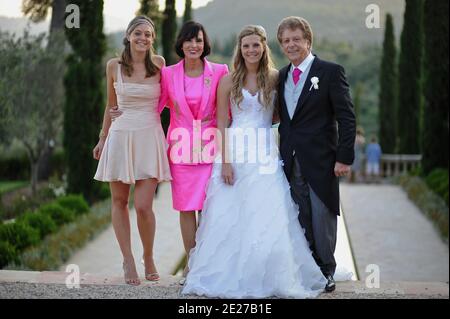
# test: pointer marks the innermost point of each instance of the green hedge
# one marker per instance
(76, 203)
(19, 234)
(18, 167)
(8, 253)
(104, 192)
(15, 168)
(32, 227)
(22, 204)
(437, 180)
(432, 205)
(57, 248)
(43, 223)
(59, 214)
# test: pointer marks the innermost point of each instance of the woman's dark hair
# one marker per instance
(188, 31)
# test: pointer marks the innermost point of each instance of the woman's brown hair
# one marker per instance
(126, 60)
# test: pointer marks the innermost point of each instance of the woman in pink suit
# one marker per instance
(188, 89)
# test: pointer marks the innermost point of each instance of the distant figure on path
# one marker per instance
(373, 157)
(360, 141)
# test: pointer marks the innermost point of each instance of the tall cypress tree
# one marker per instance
(388, 90)
(187, 11)
(410, 79)
(436, 127)
(358, 92)
(84, 97)
(150, 8)
(169, 28)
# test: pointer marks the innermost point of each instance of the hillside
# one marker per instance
(18, 25)
(342, 20)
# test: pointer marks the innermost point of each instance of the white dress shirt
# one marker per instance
(292, 91)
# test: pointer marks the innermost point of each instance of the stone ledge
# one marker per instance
(47, 284)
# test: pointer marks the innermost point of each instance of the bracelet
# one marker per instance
(102, 134)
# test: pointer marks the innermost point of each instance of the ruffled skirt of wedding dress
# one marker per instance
(250, 243)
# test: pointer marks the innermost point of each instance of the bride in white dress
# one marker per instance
(249, 243)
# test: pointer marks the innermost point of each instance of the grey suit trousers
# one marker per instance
(319, 224)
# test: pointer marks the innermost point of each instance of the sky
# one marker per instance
(117, 12)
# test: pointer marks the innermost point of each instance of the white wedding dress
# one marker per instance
(249, 243)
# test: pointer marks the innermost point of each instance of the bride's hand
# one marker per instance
(114, 112)
(227, 173)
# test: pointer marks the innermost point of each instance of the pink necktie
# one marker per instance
(296, 75)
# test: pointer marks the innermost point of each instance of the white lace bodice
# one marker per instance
(251, 113)
(251, 138)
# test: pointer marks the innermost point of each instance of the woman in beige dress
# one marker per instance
(132, 148)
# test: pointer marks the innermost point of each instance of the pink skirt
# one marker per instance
(189, 184)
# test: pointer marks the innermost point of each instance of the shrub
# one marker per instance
(432, 205)
(15, 168)
(437, 180)
(76, 203)
(22, 203)
(43, 223)
(57, 248)
(45, 194)
(104, 191)
(19, 235)
(8, 254)
(59, 214)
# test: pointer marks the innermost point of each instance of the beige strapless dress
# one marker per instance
(135, 148)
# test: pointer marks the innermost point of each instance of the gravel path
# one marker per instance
(172, 291)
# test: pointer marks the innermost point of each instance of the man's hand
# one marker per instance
(114, 112)
(341, 169)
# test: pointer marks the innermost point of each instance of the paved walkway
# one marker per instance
(102, 256)
(387, 229)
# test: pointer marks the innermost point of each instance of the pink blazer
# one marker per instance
(182, 120)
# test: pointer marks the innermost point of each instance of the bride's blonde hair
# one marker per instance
(239, 72)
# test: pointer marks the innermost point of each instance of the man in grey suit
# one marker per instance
(317, 134)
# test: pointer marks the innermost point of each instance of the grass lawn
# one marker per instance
(8, 186)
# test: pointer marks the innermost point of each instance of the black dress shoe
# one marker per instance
(331, 284)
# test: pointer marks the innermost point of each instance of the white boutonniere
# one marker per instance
(314, 83)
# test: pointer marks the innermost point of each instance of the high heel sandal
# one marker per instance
(150, 276)
(133, 281)
(185, 272)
